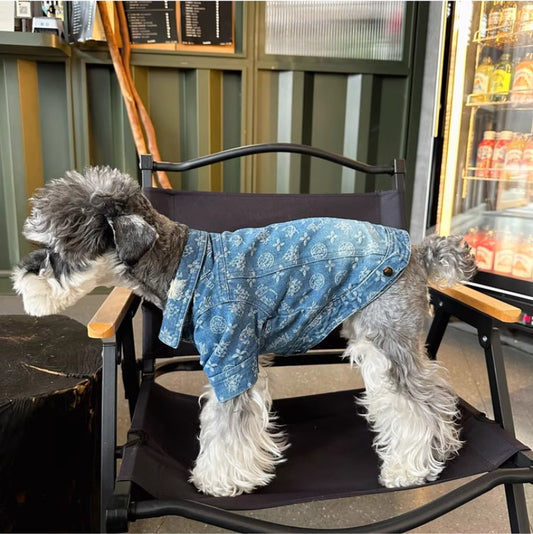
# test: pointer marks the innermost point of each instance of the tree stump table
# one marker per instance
(50, 385)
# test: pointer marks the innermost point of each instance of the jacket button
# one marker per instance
(388, 271)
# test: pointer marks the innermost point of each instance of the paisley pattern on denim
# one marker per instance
(281, 289)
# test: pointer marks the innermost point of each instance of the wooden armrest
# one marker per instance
(501, 311)
(107, 319)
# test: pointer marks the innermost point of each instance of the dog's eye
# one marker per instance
(35, 261)
(33, 269)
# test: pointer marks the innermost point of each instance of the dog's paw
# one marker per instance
(399, 476)
(229, 483)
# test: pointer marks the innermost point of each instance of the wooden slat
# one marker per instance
(106, 320)
(31, 132)
(501, 311)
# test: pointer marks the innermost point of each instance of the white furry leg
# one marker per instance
(239, 443)
(414, 422)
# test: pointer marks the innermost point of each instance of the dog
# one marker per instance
(281, 288)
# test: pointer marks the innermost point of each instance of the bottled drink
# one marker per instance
(522, 88)
(482, 79)
(504, 253)
(517, 59)
(484, 21)
(485, 252)
(484, 154)
(500, 79)
(513, 158)
(527, 159)
(525, 22)
(498, 155)
(507, 22)
(493, 24)
(473, 238)
(523, 258)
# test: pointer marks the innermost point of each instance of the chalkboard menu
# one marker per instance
(152, 22)
(207, 23)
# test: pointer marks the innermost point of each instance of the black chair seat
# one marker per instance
(163, 443)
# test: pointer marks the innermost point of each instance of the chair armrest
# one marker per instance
(107, 319)
(495, 308)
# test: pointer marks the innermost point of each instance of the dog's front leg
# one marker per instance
(239, 442)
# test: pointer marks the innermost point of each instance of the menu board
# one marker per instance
(206, 23)
(152, 22)
(81, 20)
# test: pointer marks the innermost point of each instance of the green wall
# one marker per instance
(61, 108)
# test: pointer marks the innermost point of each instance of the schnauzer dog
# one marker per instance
(277, 289)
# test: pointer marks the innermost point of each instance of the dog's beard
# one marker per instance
(49, 290)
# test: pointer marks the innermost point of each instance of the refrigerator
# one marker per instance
(484, 184)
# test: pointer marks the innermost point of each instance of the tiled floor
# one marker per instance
(460, 353)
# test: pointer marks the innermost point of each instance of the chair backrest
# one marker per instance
(218, 212)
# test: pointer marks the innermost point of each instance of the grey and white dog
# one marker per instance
(98, 229)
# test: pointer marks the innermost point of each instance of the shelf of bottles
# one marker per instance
(499, 155)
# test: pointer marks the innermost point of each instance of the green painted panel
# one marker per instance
(203, 123)
(329, 107)
(5, 261)
(80, 112)
(124, 151)
(387, 135)
(164, 109)
(100, 114)
(265, 128)
(54, 116)
(110, 138)
(188, 124)
(13, 196)
(6, 168)
(231, 127)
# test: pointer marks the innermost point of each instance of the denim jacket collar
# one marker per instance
(182, 288)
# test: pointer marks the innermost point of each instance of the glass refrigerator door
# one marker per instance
(486, 188)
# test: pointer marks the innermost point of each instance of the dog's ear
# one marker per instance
(133, 237)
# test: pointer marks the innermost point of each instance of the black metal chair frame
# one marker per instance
(118, 507)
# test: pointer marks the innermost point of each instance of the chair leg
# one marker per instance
(517, 508)
(118, 509)
(489, 339)
(108, 427)
(130, 371)
(441, 318)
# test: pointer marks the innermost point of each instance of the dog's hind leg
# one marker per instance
(408, 404)
(240, 444)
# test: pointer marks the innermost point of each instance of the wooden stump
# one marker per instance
(49, 425)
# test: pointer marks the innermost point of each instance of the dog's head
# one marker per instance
(94, 226)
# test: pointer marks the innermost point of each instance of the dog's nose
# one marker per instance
(388, 271)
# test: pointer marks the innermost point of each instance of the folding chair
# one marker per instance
(162, 440)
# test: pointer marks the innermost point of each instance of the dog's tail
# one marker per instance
(447, 260)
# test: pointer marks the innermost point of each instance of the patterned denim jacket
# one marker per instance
(281, 289)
